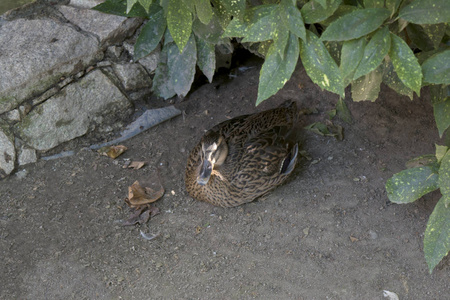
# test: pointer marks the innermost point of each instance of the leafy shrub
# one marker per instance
(362, 43)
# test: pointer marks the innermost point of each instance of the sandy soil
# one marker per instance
(329, 233)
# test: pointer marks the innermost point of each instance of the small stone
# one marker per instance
(7, 151)
(27, 156)
(114, 51)
(306, 231)
(85, 3)
(13, 115)
(105, 63)
(24, 109)
(21, 174)
(150, 62)
(373, 235)
(132, 76)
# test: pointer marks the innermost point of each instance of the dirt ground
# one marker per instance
(329, 233)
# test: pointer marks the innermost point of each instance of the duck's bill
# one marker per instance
(205, 173)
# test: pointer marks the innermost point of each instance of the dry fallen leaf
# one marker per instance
(136, 165)
(353, 239)
(140, 216)
(138, 195)
(112, 151)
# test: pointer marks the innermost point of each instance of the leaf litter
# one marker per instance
(112, 151)
(141, 198)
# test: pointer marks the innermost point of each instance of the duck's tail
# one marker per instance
(289, 162)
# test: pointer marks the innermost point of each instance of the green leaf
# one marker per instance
(326, 130)
(423, 160)
(391, 79)
(179, 22)
(442, 115)
(211, 32)
(204, 11)
(436, 69)
(411, 184)
(130, 4)
(312, 12)
(436, 240)
(373, 3)
(318, 128)
(236, 28)
(151, 33)
(335, 49)
(206, 58)
(323, 3)
(440, 152)
(221, 14)
(190, 4)
(258, 18)
(292, 17)
(262, 24)
(355, 24)
(182, 67)
(119, 8)
(319, 64)
(235, 8)
(343, 112)
(393, 5)
(367, 87)
(341, 11)
(439, 93)
(280, 39)
(331, 113)
(162, 85)
(351, 54)
(405, 64)
(264, 47)
(374, 52)
(426, 37)
(146, 4)
(276, 71)
(426, 12)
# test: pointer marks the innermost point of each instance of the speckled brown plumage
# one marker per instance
(261, 154)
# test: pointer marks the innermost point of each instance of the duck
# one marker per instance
(244, 158)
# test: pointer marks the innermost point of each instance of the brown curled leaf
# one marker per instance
(138, 195)
(112, 151)
(136, 165)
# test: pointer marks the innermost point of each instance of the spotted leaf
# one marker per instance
(405, 64)
(319, 64)
(411, 184)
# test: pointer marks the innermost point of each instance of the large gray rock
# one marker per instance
(132, 76)
(73, 112)
(109, 29)
(150, 62)
(7, 151)
(37, 53)
(26, 156)
(85, 3)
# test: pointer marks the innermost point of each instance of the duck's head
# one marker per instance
(213, 154)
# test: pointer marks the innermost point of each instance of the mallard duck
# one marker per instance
(242, 159)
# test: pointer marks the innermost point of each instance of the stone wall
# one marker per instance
(64, 70)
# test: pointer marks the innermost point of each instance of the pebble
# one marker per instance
(373, 235)
(21, 174)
